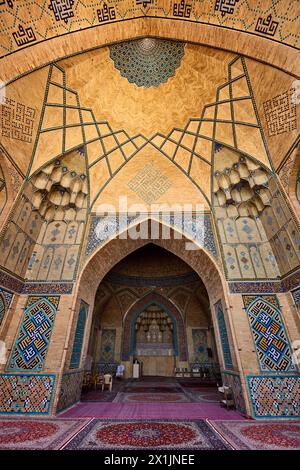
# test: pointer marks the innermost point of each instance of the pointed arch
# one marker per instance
(153, 298)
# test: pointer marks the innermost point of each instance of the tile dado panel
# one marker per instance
(274, 396)
(31, 346)
(58, 17)
(233, 380)
(26, 394)
(223, 336)
(70, 389)
(79, 335)
(271, 341)
(5, 301)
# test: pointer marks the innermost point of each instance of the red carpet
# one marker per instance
(151, 411)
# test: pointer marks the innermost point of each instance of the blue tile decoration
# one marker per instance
(223, 336)
(30, 349)
(233, 380)
(107, 367)
(197, 227)
(296, 296)
(104, 228)
(79, 335)
(147, 62)
(200, 354)
(70, 389)
(136, 281)
(274, 396)
(26, 393)
(108, 340)
(269, 335)
(8, 281)
(5, 301)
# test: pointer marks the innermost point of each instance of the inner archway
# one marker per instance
(153, 308)
(155, 340)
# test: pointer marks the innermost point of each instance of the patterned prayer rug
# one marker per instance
(151, 398)
(98, 396)
(150, 383)
(146, 434)
(197, 384)
(207, 397)
(158, 389)
(260, 435)
(42, 434)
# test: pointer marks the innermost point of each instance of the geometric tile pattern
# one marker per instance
(296, 296)
(269, 335)
(5, 301)
(148, 61)
(288, 283)
(219, 125)
(223, 336)
(191, 148)
(59, 17)
(25, 393)
(199, 345)
(104, 150)
(17, 120)
(274, 396)
(108, 340)
(79, 335)
(233, 380)
(70, 389)
(280, 113)
(146, 434)
(197, 227)
(30, 349)
(149, 183)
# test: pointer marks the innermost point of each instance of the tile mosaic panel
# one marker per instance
(233, 380)
(31, 346)
(223, 336)
(79, 335)
(26, 394)
(70, 389)
(296, 296)
(274, 396)
(199, 345)
(271, 341)
(108, 340)
(5, 301)
(198, 227)
(147, 62)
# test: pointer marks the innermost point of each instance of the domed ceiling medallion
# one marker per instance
(147, 62)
